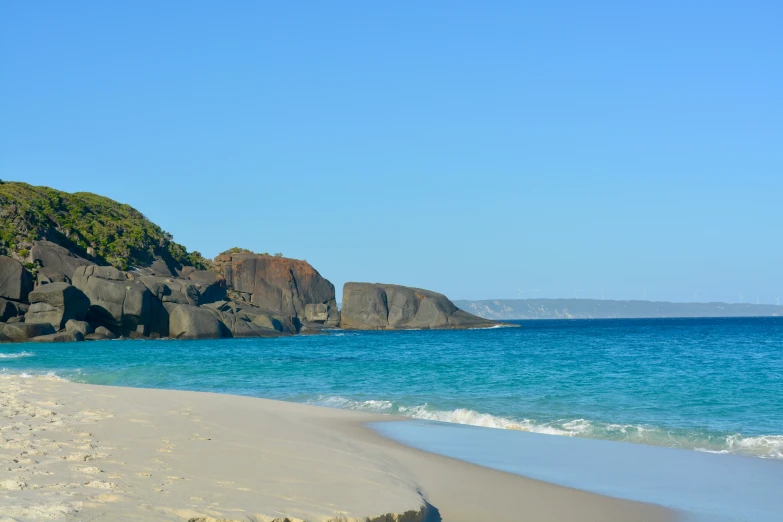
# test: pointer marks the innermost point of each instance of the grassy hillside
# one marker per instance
(82, 222)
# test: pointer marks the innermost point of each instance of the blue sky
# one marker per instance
(472, 148)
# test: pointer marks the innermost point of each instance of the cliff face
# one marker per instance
(281, 285)
(133, 280)
(368, 306)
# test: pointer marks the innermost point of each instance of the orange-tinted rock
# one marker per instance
(281, 285)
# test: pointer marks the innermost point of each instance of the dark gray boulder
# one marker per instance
(105, 332)
(98, 337)
(173, 290)
(246, 320)
(193, 322)
(58, 263)
(186, 271)
(121, 304)
(83, 327)
(160, 268)
(51, 275)
(7, 310)
(16, 282)
(368, 306)
(212, 285)
(167, 291)
(56, 303)
(59, 337)
(364, 307)
(20, 332)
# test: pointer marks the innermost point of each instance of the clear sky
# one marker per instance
(473, 148)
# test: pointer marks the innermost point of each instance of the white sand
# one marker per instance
(81, 452)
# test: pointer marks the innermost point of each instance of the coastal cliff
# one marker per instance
(81, 266)
(286, 286)
(261, 296)
(84, 267)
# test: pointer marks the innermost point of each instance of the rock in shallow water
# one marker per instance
(59, 337)
(193, 322)
(78, 326)
(376, 306)
(20, 332)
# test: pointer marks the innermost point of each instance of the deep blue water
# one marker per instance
(707, 384)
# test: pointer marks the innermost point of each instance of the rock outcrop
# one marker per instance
(121, 304)
(56, 304)
(280, 285)
(368, 306)
(193, 322)
(59, 337)
(206, 287)
(57, 263)
(212, 285)
(8, 310)
(15, 281)
(246, 320)
(226, 319)
(20, 332)
(135, 281)
(100, 334)
(83, 327)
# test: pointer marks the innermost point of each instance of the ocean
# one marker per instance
(709, 385)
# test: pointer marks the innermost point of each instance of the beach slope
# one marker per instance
(83, 452)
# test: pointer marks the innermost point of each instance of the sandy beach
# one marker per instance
(83, 452)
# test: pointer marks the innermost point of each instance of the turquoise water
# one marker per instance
(711, 385)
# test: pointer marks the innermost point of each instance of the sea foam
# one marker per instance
(16, 355)
(47, 376)
(766, 446)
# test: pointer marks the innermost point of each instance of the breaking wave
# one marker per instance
(49, 376)
(764, 446)
(16, 355)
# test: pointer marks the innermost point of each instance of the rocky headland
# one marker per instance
(376, 306)
(82, 267)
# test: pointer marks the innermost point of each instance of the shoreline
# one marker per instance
(702, 486)
(93, 452)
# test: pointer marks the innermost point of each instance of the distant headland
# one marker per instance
(521, 309)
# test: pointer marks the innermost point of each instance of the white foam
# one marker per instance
(48, 376)
(493, 327)
(768, 446)
(348, 404)
(16, 355)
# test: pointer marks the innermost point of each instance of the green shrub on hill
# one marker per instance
(89, 225)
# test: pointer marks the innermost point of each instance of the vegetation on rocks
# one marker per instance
(92, 226)
(236, 250)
